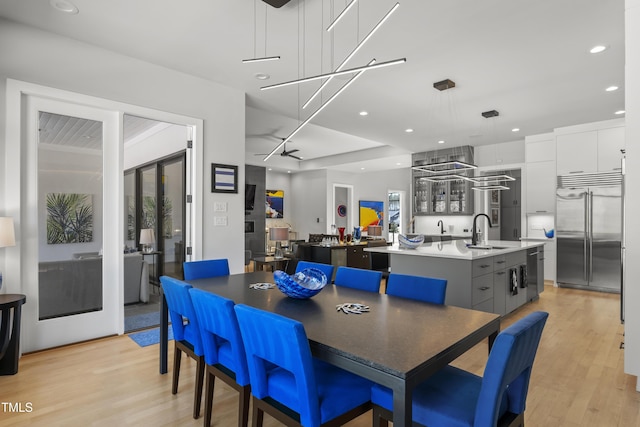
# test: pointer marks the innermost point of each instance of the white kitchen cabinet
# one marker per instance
(540, 151)
(610, 142)
(541, 187)
(577, 152)
(550, 260)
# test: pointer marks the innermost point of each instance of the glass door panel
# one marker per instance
(439, 197)
(171, 239)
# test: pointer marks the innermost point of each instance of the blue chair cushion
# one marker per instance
(448, 398)
(338, 390)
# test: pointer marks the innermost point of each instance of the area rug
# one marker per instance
(149, 337)
(141, 321)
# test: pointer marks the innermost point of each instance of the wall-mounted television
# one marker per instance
(249, 196)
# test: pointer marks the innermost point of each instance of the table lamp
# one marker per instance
(147, 239)
(374, 230)
(7, 236)
(278, 234)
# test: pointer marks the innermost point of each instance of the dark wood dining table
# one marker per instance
(398, 343)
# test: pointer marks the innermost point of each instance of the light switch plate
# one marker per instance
(220, 221)
(220, 207)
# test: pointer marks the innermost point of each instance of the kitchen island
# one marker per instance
(497, 277)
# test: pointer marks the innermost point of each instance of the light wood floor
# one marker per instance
(577, 380)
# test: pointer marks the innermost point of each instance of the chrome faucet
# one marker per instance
(441, 224)
(474, 231)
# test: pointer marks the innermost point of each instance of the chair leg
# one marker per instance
(257, 415)
(243, 406)
(208, 402)
(378, 419)
(197, 394)
(177, 356)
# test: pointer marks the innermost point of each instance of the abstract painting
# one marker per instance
(371, 213)
(275, 204)
(69, 218)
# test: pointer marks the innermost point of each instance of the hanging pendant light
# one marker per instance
(265, 57)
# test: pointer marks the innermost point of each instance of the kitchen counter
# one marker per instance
(457, 249)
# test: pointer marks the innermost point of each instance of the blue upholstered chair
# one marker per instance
(454, 397)
(186, 334)
(327, 269)
(205, 268)
(358, 278)
(288, 383)
(223, 350)
(420, 288)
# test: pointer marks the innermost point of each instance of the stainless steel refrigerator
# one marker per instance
(589, 231)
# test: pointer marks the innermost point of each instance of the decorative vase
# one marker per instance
(357, 234)
(341, 234)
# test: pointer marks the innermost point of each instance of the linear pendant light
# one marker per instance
(490, 187)
(263, 58)
(266, 58)
(445, 167)
(364, 40)
(346, 9)
(489, 179)
(336, 73)
(315, 113)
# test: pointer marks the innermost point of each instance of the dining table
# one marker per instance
(398, 343)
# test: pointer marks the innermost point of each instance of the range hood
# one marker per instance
(276, 3)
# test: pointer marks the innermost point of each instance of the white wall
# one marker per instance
(632, 182)
(47, 59)
(309, 202)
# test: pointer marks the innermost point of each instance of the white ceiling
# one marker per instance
(529, 60)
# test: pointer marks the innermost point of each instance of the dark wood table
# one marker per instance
(399, 343)
(10, 309)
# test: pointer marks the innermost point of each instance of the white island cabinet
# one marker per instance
(489, 280)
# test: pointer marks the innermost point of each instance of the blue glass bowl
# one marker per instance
(410, 243)
(302, 285)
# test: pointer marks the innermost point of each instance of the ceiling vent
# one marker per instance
(444, 84)
(489, 114)
(276, 3)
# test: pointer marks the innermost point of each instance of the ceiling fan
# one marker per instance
(284, 152)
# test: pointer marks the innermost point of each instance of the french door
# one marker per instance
(71, 254)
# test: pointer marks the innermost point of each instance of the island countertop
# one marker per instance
(457, 249)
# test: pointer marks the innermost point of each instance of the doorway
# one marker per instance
(343, 211)
(396, 223)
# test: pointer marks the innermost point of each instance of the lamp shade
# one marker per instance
(147, 236)
(374, 230)
(279, 233)
(7, 234)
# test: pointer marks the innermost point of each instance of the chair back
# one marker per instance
(206, 268)
(508, 368)
(427, 289)
(327, 269)
(184, 320)
(271, 339)
(358, 278)
(221, 339)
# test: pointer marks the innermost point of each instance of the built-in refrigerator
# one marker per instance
(589, 231)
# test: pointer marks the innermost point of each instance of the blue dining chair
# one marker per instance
(327, 269)
(427, 289)
(206, 268)
(291, 385)
(454, 397)
(223, 351)
(186, 334)
(358, 278)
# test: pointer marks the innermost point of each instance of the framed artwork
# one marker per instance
(69, 218)
(275, 204)
(495, 216)
(224, 178)
(371, 213)
(495, 197)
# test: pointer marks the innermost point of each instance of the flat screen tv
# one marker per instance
(249, 196)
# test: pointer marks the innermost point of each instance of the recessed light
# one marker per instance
(398, 164)
(408, 130)
(64, 6)
(620, 112)
(598, 49)
(611, 88)
(270, 169)
(363, 113)
(262, 76)
(361, 169)
(441, 142)
(515, 130)
(288, 171)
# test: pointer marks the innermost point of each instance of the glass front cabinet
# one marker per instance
(442, 197)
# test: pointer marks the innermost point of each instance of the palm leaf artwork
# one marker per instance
(149, 215)
(69, 218)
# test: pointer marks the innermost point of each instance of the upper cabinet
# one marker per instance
(593, 150)
(540, 170)
(432, 197)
